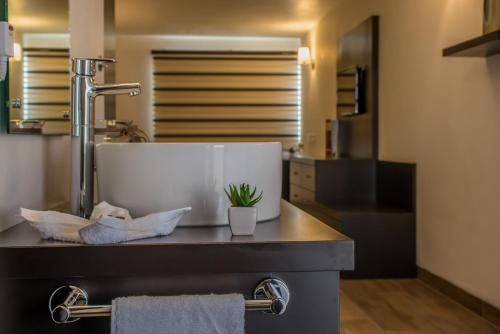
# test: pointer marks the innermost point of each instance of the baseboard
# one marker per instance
(475, 304)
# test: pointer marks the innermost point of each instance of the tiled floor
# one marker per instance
(404, 306)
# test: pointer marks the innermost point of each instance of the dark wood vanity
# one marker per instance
(305, 253)
(371, 201)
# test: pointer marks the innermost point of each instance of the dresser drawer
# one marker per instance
(295, 194)
(307, 196)
(307, 177)
(295, 173)
(303, 175)
(301, 195)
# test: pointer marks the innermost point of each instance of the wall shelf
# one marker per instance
(483, 46)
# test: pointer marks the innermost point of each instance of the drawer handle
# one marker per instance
(308, 176)
(295, 195)
(295, 173)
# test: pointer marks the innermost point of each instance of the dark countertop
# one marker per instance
(339, 211)
(309, 159)
(304, 158)
(294, 242)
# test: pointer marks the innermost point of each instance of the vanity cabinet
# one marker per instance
(371, 201)
(297, 248)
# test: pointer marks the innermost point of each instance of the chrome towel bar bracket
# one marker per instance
(270, 296)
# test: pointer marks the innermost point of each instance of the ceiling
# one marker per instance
(41, 16)
(182, 17)
(220, 17)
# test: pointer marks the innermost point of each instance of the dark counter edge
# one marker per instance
(334, 253)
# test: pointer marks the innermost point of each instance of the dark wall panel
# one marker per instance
(396, 185)
(345, 182)
(359, 47)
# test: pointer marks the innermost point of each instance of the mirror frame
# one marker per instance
(4, 85)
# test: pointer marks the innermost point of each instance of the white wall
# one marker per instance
(87, 30)
(33, 174)
(34, 170)
(133, 53)
(442, 113)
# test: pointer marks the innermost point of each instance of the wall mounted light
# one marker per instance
(304, 56)
(18, 52)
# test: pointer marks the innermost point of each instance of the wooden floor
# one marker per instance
(404, 306)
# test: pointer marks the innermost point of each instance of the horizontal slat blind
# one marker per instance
(226, 96)
(46, 85)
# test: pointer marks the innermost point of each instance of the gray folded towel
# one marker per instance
(107, 230)
(210, 314)
(110, 230)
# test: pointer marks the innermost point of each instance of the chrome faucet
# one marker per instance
(84, 90)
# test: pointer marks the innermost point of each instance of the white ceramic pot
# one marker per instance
(242, 220)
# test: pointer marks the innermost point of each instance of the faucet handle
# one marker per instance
(87, 66)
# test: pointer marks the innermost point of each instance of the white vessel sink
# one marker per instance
(148, 178)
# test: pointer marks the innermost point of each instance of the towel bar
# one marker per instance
(270, 296)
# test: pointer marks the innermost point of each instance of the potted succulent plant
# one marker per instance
(242, 213)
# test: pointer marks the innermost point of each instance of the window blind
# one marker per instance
(226, 96)
(46, 88)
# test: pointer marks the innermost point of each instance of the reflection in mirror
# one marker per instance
(210, 71)
(214, 71)
(39, 74)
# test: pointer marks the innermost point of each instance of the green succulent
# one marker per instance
(242, 196)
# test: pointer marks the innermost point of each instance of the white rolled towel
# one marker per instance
(107, 224)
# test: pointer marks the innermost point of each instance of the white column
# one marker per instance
(86, 27)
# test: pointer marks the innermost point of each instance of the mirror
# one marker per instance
(350, 91)
(213, 70)
(222, 70)
(39, 74)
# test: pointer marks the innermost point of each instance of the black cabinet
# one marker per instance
(384, 238)
(372, 202)
(295, 247)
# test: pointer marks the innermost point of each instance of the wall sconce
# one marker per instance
(304, 56)
(18, 52)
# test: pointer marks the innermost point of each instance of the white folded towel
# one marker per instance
(107, 224)
(55, 225)
(104, 209)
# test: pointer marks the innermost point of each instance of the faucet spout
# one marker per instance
(132, 89)
(84, 90)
